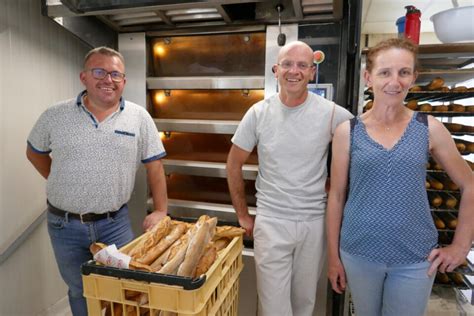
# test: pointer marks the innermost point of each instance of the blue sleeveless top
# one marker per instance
(387, 215)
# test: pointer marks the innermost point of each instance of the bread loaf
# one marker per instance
(435, 84)
(450, 202)
(368, 105)
(438, 222)
(459, 89)
(435, 199)
(457, 278)
(448, 184)
(453, 127)
(442, 278)
(440, 108)
(415, 89)
(456, 108)
(435, 184)
(460, 146)
(425, 107)
(450, 220)
(412, 104)
(469, 146)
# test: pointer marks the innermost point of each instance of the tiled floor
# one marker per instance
(442, 303)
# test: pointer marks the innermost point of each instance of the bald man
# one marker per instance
(292, 131)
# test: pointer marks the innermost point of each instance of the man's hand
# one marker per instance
(152, 219)
(247, 222)
(337, 275)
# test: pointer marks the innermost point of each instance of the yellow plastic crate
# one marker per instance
(217, 296)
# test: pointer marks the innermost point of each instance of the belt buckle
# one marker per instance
(80, 216)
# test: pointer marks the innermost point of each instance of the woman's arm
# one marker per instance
(444, 151)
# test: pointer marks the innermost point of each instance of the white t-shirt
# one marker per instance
(292, 145)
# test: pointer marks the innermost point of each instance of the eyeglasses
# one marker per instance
(100, 73)
(288, 64)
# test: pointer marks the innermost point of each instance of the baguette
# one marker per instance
(228, 232)
(172, 265)
(194, 250)
(161, 260)
(164, 243)
(221, 243)
(207, 259)
(157, 232)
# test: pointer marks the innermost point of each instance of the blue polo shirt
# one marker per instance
(94, 163)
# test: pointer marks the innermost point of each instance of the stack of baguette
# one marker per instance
(173, 247)
(178, 248)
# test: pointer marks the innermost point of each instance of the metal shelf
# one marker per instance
(450, 76)
(197, 126)
(434, 96)
(175, 205)
(206, 169)
(206, 82)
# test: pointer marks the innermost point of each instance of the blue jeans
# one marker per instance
(387, 289)
(71, 240)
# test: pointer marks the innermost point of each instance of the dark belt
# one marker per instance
(88, 217)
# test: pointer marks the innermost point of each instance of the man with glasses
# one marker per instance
(89, 149)
(292, 131)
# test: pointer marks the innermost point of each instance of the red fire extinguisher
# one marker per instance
(412, 24)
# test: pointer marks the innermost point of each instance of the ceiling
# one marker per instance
(379, 16)
(149, 15)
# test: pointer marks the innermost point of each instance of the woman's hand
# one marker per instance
(445, 259)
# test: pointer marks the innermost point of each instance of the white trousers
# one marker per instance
(289, 256)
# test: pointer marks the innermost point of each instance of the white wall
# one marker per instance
(39, 65)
